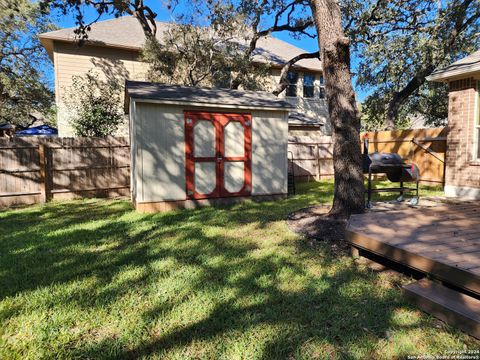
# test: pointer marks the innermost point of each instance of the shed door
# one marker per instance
(218, 154)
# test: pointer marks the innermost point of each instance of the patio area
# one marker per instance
(441, 240)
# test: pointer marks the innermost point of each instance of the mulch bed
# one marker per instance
(314, 224)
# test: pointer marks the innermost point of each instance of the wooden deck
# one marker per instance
(442, 241)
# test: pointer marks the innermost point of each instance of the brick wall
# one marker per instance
(461, 168)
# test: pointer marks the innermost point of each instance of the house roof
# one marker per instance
(300, 119)
(463, 67)
(202, 97)
(126, 32)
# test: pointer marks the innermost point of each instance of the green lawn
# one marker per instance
(94, 279)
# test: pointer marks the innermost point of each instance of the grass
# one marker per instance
(95, 279)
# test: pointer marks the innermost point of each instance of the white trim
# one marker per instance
(463, 192)
(463, 71)
(476, 123)
(213, 104)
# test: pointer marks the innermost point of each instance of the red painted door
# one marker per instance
(218, 149)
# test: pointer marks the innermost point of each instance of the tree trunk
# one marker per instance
(342, 108)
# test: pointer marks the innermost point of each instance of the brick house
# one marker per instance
(462, 175)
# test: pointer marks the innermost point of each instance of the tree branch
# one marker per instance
(283, 83)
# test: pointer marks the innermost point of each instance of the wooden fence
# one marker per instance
(36, 170)
(425, 147)
(39, 169)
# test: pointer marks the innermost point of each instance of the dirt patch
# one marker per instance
(313, 223)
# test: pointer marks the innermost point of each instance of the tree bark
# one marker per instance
(347, 160)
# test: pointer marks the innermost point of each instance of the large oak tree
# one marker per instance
(335, 55)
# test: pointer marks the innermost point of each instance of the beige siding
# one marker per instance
(115, 63)
(160, 142)
(314, 108)
(269, 152)
(71, 60)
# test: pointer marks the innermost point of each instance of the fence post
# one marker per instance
(317, 155)
(45, 194)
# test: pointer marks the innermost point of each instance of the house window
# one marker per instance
(292, 78)
(321, 93)
(308, 85)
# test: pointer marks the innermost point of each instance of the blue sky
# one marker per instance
(305, 42)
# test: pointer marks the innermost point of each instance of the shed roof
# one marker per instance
(126, 32)
(204, 97)
(463, 67)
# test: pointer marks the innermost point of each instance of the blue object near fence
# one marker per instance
(44, 130)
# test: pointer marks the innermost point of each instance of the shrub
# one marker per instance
(95, 106)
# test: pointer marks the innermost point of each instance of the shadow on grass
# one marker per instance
(213, 254)
(60, 241)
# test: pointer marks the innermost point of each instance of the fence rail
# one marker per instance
(313, 160)
(36, 170)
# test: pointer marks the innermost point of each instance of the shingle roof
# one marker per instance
(300, 119)
(175, 94)
(466, 66)
(126, 32)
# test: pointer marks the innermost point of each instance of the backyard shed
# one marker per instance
(194, 146)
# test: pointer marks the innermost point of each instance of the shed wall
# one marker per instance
(269, 152)
(160, 142)
(158, 152)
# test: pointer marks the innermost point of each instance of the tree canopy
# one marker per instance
(204, 57)
(24, 90)
(203, 53)
(398, 44)
(213, 43)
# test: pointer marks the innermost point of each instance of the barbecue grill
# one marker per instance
(394, 168)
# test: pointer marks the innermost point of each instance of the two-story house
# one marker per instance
(113, 51)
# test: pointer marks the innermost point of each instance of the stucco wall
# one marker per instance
(158, 146)
(462, 169)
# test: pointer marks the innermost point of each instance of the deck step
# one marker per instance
(451, 306)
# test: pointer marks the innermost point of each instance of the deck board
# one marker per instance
(443, 240)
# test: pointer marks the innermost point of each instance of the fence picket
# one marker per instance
(428, 154)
